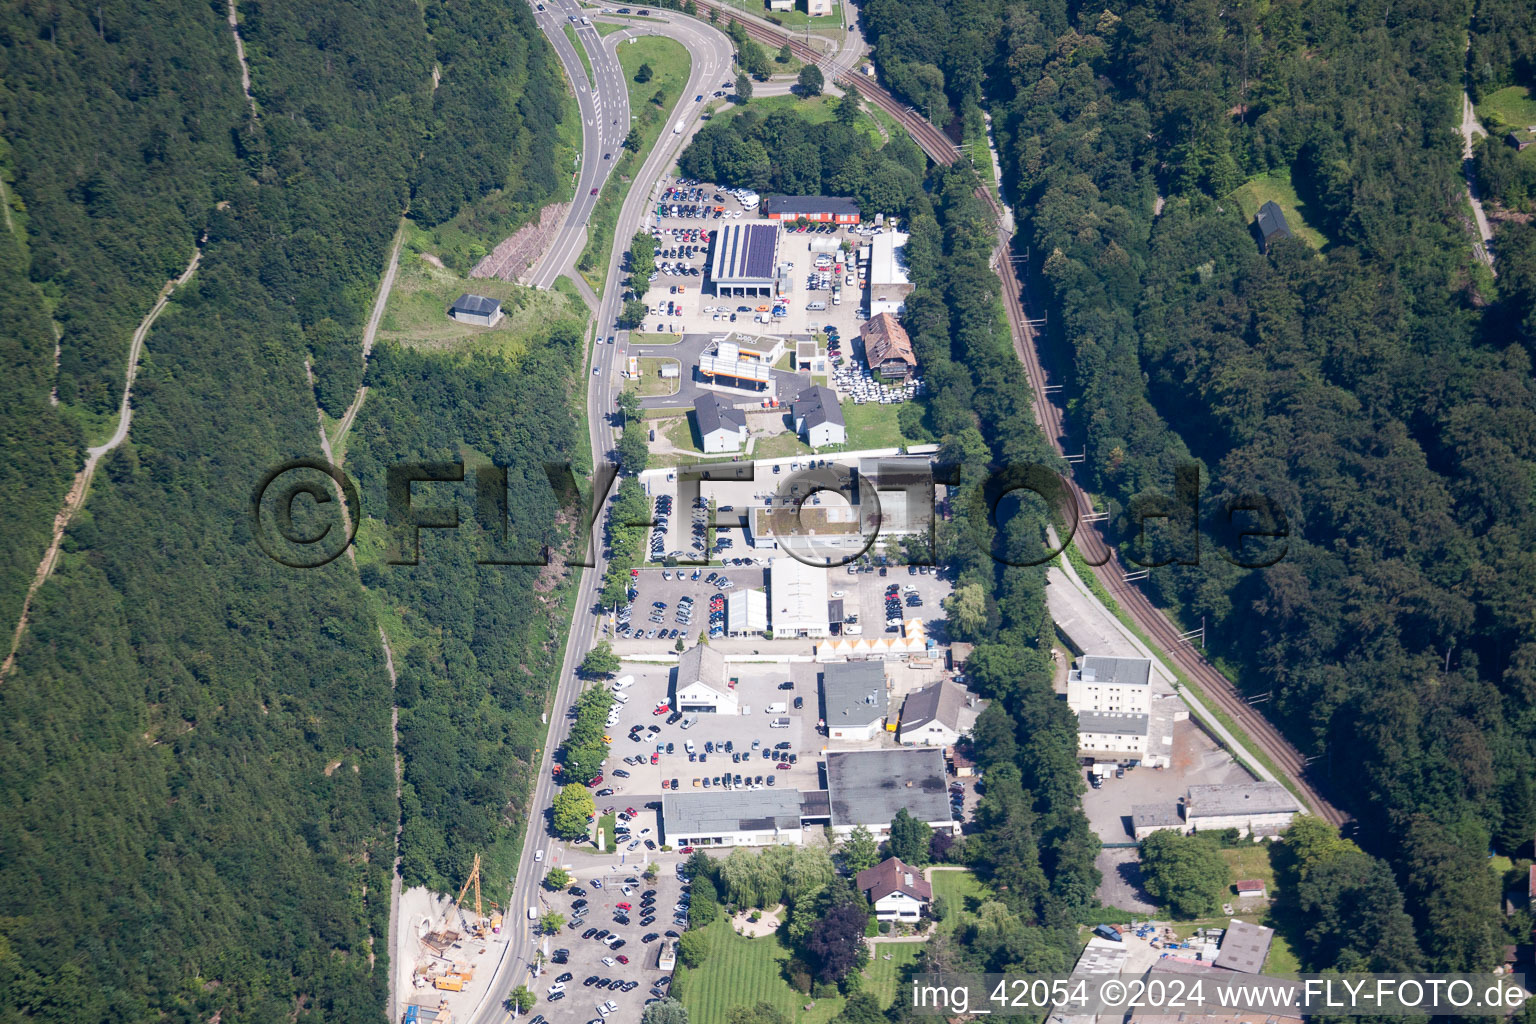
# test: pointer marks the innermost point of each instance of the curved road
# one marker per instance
(711, 57)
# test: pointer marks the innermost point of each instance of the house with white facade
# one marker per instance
(898, 891)
(702, 686)
(722, 427)
(931, 716)
(1099, 683)
(1112, 736)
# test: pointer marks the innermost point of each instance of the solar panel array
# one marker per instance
(745, 251)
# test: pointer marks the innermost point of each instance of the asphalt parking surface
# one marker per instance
(586, 955)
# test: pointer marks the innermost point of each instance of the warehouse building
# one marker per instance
(798, 596)
(1112, 736)
(1253, 808)
(855, 699)
(816, 209)
(744, 259)
(868, 787)
(746, 612)
(889, 284)
(737, 817)
(475, 309)
(1245, 947)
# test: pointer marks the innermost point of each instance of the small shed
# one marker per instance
(475, 309)
(1250, 889)
(1271, 224)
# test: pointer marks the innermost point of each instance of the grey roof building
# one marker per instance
(854, 698)
(1271, 224)
(791, 207)
(1240, 798)
(868, 787)
(745, 258)
(818, 416)
(1098, 668)
(1149, 818)
(1124, 723)
(1244, 947)
(722, 427)
(475, 309)
(932, 715)
(731, 817)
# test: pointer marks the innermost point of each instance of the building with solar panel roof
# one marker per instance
(745, 259)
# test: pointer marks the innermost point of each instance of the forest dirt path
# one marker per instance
(77, 491)
(1470, 126)
(245, 68)
(371, 332)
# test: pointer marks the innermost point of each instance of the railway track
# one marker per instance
(940, 148)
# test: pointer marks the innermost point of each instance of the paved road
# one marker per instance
(711, 53)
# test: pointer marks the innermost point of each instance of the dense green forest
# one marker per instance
(478, 645)
(196, 745)
(1375, 391)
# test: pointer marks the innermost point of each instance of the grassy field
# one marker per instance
(636, 338)
(605, 825)
(780, 446)
(1250, 862)
(1513, 107)
(962, 892)
(788, 19)
(680, 433)
(1277, 187)
(607, 29)
(743, 972)
(670, 65)
(417, 312)
(651, 381)
(581, 51)
(882, 976)
(815, 110)
(873, 425)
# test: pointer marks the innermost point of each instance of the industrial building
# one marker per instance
(738, 817)
(816, 209)
(868, 787)
(1253, 808)
(722, 427)
(818, 417)
(744, 259)
(1149, 818)
(798, 599)
(1112, 735)
(887, 349)
(1245, 947)
(475, 309)
(746, 612)
(855, 699)
(889, 284)
(1099, 683)
(702, 685)
(820, 9)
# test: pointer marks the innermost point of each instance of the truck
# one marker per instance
(782, 722)
(677, 129)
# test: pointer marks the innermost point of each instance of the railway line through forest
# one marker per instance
(1152, 621)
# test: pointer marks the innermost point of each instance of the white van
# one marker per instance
(776, 709)
(622, 698)
(852, 630)
(816, 306)
(623, 683)
(533, 914)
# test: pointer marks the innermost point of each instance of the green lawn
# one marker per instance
(581, 51)
(743, 972)
(680, 433)
(872, 425)
(636, 338)
(1277, 187)
(780, 446)
(416, 314)
(670, 65)
(651, 380)
(1513, 107)
(814, 110)
(788, 19)
(882, 976)
(607, 29)
(606, 825)
(962, 892)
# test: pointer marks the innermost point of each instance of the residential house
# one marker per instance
(898, 891)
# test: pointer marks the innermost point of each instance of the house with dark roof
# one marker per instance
(1244, 947)
(817, 209)
(898, 891)
(701, 683)
(1271, 225)
(818, 417)
(722, 427)
(475, 309)
(887, 348)
(854, 699)
(931, 716)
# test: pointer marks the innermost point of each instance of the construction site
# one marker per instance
(446, 952)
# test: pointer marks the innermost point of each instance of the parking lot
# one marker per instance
(652, 585)
(588, 981)
(682, 264)
(864, 595)
(1197, 760)
(757, 687)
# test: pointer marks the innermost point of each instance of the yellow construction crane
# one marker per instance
(478, 927)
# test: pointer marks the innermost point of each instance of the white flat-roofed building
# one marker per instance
(797, 595)
(1111, 735)
(1100, 683)
(765, 817)
(1253, 808)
